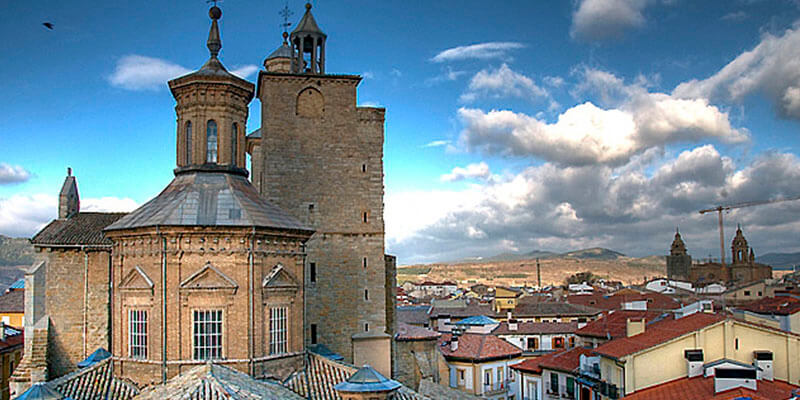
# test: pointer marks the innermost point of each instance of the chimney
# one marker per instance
(68, 200)
(634, 327)
(512, 325)
(3, 331)
(454, 343)
(763, 359)
(694, 362)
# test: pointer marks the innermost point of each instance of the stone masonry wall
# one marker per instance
(77, 301)
(325, 167)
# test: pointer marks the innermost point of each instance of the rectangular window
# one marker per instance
(277, 330)
(137, 334)
(312, 272)
(313, 333)
(364, 262)
(558, 342)
(365, 217)
(207, 334)
(366, 294)
(553, 383)
(533, 343)
(747, 293)
(366, 327)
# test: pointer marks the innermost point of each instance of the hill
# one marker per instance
(595, 253)
(15, 251)
(554, 269)
(780, 259)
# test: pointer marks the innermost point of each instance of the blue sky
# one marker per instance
(511, 126)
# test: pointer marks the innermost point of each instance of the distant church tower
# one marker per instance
(319, 156)
(69, 202)
(678, 261)
(741, 253)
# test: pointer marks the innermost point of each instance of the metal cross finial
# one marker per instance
(213, 2)
(286, 13)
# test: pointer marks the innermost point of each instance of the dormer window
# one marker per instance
(211, 141)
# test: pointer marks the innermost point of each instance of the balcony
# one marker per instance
(567, 392)
(551, 389)
(496, 387)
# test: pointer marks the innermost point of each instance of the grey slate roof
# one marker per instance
(284, 51)
(217, 382)
(307, 24)
(203, 198)
(414, 315)
(83, 228)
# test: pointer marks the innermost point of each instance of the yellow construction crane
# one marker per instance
(721, 208)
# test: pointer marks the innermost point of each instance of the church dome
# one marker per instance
(209, 198)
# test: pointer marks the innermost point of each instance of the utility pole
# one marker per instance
(538, 274)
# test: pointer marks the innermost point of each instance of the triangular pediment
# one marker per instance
(136, 279)
(279, 277)
(208, 278)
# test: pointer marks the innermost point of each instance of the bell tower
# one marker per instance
(212, 111)
(308, 46)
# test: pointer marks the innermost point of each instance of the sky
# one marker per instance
(510, 126)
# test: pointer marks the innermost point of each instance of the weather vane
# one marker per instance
(286, 13)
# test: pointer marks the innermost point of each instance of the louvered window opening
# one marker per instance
(277, 330)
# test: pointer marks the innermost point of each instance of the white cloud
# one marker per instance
(502, 82)
(24, 215)
(472, 171)
(554, 81)
(368, 75)
(734, 16)
(369, 104)
(605, 19)
(13, 174)
(437, 143)
(587, 134)
(624, 208)
(480, 51)
(244, 71)
(135, 72)
(448, 74)
(771, 68)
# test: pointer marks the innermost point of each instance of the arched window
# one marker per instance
(188, 142)
(211, 141)
(234, 139)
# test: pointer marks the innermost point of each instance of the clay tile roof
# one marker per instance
(320, 375)
(417, 315)
(475, 347)
(778, 305)
(657, 333)
(406, 332)
(216, 382)
(530, 365)
(13, 302)
(532, 308)
(527, 328)
(95, 382)
(702, 388)
(84, 228)
(461, 310)
(655, 301)
(12, 340)
(566, 361)
(614, 324)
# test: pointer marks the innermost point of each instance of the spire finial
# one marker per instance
(286, 13)
(214, 43)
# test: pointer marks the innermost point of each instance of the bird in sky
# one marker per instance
(48, 25)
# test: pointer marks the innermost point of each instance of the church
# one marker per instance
(248, 269)
(743, 267)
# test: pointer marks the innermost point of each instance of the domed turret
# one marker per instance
(280, 60)
(212, 112)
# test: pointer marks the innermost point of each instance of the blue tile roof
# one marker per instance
(477, 320)
(20, 284)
